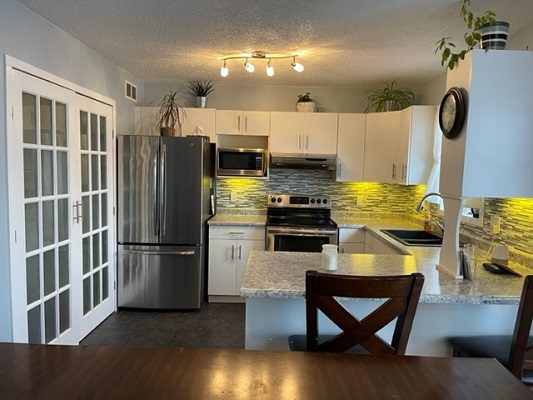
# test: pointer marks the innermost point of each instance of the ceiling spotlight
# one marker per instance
(260, 55)
(270, 69)
(224, 70)
(249, 66)
(297, 66)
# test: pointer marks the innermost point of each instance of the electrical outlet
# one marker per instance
(495, 221)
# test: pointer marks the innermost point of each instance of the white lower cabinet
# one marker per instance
(374, 245)
(229, 248)
(351, 240)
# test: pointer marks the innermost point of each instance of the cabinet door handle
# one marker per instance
(307, 142)
(233, 252)
(299, 142)
(239, 123)
(404, 171)
(393, 171)
(240, 252)
(339, 169)
(246, 123)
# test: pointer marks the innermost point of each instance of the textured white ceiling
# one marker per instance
(350, 43)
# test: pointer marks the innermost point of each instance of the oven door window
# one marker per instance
(312, 244)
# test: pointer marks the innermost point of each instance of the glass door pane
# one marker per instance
(46, 217)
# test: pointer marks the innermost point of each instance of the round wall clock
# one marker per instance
(452, 112)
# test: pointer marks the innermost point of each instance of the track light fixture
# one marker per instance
(224, 71)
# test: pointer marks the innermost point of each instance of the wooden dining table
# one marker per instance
(98, 372)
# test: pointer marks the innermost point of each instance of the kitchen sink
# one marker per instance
(414, 237)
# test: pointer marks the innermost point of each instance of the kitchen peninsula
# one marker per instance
(274, 290)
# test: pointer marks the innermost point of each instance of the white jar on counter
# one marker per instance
(329, 257)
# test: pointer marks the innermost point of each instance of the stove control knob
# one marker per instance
(279, 200)
(312, 201)
(325, 201)
(318, 201)
(273, 200)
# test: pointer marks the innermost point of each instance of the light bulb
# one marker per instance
(298, 67)
(249, 66)
(224, 71)
(270, 69)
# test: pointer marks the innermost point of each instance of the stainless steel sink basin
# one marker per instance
(414, 237)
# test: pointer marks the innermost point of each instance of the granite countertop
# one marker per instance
(281, 275)
(238, 219)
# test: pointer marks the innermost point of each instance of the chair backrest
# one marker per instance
(521, 354)
(401, 293)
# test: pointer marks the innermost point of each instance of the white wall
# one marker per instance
(29, 38)
(266, 98)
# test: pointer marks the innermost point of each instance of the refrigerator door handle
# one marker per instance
(161, 253)
(156, 205)
(164, 191)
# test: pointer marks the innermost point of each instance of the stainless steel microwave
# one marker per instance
(241, 162)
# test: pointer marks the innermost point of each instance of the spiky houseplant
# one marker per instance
(201, 89)
(472, 37)
(170, 115)
(390, 98)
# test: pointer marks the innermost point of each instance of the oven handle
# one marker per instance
(301, 232)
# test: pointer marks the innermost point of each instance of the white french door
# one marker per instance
(60, 201)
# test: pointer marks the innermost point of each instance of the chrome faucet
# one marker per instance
(420, 206)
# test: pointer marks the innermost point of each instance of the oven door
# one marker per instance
(299, 239)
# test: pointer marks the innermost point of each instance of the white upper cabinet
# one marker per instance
(492, 155)
(308, 133)
(414, 158)
(382, 130)
(199, 121)
(234, 122)
(399, 145)
(196, 121)
(351, 147)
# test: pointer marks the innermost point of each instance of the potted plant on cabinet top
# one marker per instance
(390, 98)
(484, 31)
(305, 103)
(170, 115)
(200, 90)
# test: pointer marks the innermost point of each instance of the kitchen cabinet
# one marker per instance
(414, 158)
(381, 146)
(199, 121)
(229, 248)
(351, 240)
(234, 122)
(375, 245)
(399, 145)
(351, 147)
(305, 133)
(492, 155)
(196, 121)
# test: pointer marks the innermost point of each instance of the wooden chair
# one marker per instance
(401, 293)
(514, 352)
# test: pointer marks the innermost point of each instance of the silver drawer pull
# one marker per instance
(236, 233)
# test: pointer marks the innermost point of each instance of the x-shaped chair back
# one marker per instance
(521, 356)
(401, 294)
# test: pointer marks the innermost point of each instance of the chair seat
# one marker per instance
(498, 347)
(299, 343)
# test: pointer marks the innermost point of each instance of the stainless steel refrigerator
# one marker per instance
(164, 188)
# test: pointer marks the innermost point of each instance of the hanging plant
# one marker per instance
(390, 98)
(450, 57)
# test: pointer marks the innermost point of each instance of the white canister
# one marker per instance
(329, 256)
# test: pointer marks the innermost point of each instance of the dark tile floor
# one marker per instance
(214, 325)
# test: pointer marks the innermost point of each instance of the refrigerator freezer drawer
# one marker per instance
(160, 277)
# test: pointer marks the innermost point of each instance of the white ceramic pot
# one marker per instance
(306, 106)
